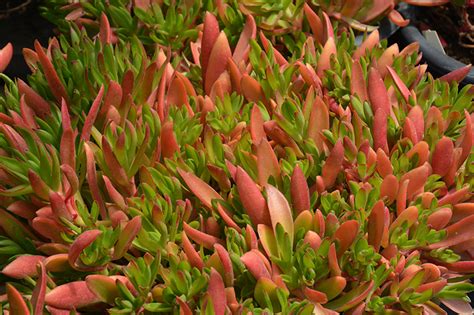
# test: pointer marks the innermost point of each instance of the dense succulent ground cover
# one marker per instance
(237, 170)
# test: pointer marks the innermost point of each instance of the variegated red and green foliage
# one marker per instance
(238, 179)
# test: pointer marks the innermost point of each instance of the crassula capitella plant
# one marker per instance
(235, 179)
(175, 22)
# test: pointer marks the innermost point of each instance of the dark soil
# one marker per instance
(21, 24)
(453, 27)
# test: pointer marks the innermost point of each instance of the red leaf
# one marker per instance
(193, 256)
(267, 163)
(255, 263)
(209, 37)
(280, 212)
(206, 240)
(128, 234)
(346, 234)
(378, 94)
(91, 176)
(358, 84)
(218, 60)
(324, 61)
(6, 54)
(17, 304)
(251, 198)
(54, 83)
(169, 145)
(443, 156)
(78, 246)
(299, 191)
(216, 291)
(376, 224)
(318, 122)
(249, 32)
(333, 164)
(23, 266)
(402, 88)
(39, 292)
(368, 44)
(34, 100)
(91, 117)
(456, 75)
(105, 33)
(72, 295)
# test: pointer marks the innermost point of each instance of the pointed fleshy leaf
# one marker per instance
(418, 121)
(440, 218)
(39, 105)
(456, 75)
(358, 84)
(380, 130)
(79, 244)
(299, 191)
(23, 266)
(199, 188)
(377, 91)
(402, 88)
(384, 165)
(351, 298)
(376, 224)
(256, 125)
(218, 60)
(39, 292)
(313, 240)
(251, 198)
(6, 54)
(255, 264)
(193, 257)
(280, 212)
(216, 291)
(422, 150)
(267, 163)
(315, 296)
(91, 177)
(409, 215)
(318, 122)
(251, 89)
(315, 23)
(332, 287)
(209, 37)
(333, 164)
(457, 233)
(71, 295)
(201, 238)
(54, 83)
(417, 178)
(397, 18)
(368, 44)
(467, 141)
(324, 61)
(128, 234)
(91, 117)
(169, 145)
(242, 48)
(105, 33)
(17, 303)
(346, 235)
(443, 155)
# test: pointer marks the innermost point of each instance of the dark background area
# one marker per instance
(21, 24)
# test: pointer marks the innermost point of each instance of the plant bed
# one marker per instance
(237, 171)
(439, 64)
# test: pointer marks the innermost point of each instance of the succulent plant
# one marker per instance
(243, 179)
